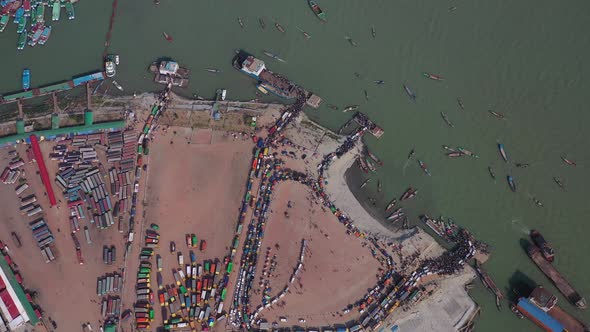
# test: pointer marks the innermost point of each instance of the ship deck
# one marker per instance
(568, 321)
(285, 86)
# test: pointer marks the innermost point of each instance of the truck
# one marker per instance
(180, 259)
(159, 262)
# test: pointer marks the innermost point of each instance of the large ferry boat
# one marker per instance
(272, 82)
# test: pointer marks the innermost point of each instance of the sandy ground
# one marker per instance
(333, 275)
(66, 290)
(194, 188)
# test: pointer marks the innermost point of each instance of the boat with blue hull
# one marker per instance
(26, 79)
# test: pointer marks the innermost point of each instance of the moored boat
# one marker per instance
(502, 152)
(467, 152)
(448, 148)
(395, 214)
(118, 86)
(36, 34)
(22, 25)
(279, 27)
(40, 13)
(365, 183)
(455, 154)
(22, 40)
(362, 164)
(409, 92)
(317, 10)
(370, 165)
(546, 248)
(110, 67)
(26, 79)
(391, 204)
(432, 76)
(27, 7)
(56, 11)
(375, 158)
(409, 193)
(70, 11)
(511, 183)
(45, 35)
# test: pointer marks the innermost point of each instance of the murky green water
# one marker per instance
(526, 59)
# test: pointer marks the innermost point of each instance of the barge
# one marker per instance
(542, 309)
(272, 82)
(558, 280)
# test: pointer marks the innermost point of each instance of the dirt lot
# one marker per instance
(66, 289)
(333, 275)
(194, 188)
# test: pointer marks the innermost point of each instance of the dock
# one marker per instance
(557, 278)
(363, 120)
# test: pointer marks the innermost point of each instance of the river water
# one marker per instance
(525, 59)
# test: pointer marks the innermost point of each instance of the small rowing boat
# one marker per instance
(460, 102)
(213, 70)
(350, 108)
(379, 82)
(432, 76)
(279, 27)
(351, 41)
(379, 186)
(240, 22)
(410, 93)
(365, 183)
(261, 23)
(391, 204)
(502, 152)
(537, 202)
(559, 182)
(511, 183)
(496, 114)
(117, 85)
(366, 95)
(317, 10)
(307, 35)
(373, 32)
(411, 154)
(446, 119)
(567, 161)
(424, 168)
(274, 56)
(167, 37)
(333, 107)
(492, 173)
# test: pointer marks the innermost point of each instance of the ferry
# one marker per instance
(56, 11)
(45, 35)
(26, 79)
(317, 10)
(540, 242)
(4, 22)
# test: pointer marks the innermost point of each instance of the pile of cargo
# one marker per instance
(109, 284)
(122, 148)
(109, 255)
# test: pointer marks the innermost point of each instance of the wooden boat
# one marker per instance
(424, 168)
(240, 22)
(375, 158)
(366, 95)
(460, 102)
(4, 21)
(279, 27)
(350, 108)
(117, 85)
(511, 183)
(379, 82)
(448, 148)
(411, 154)
(213, 70)
(56, 11)
(365, 183)
(455, 154)
(261, 23)
(446, 119)
(168, 37)
(432, 76)
(379, 186)
(496, 114)
(559, 182)
(22, 40)
(351, 41)
(567, 161)
(307, 35)
(333, 107)
(492, 173)
(274, 56)
(26, 79)
(410, 93)
(391, 204)
(502, 152)
(373, 32)
(317, 10)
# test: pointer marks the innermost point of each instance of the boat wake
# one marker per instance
(519, 226)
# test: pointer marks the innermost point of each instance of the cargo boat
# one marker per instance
(274, 83)
(542, 309)
(540, 242)
(45, 35)
(4, 21)
(70, 11)
(558, 280)
(56, 11)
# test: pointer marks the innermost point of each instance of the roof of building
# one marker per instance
(64, 131)
(18, 290)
